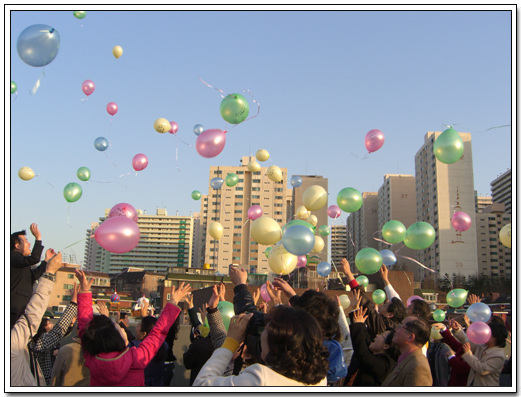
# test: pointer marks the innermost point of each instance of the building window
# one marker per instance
(168, 296)
(70, 275)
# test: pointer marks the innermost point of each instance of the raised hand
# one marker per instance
(35, 231)
(74, 293)
(222, 291)
(203, 312)
(238, 324)
(54, 263)
(256, 296)
(280, 284)
(49, 254)
(179, 293)
(84, 283)
(238, 275)
(189, 299)
(466, 347)
(103, 309)
(359, 315)
(274, 294)
(214, 299)
(384, 272)
(471, 299)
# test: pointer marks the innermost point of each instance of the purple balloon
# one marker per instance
(413, 298)
(210, 142)
(461, 221)
(333, 211)
(374, 140)
(123, 209)
(254, 212)
(479, 333)
(264, 293)
(302, 261)
(140, 162)
(118, 234)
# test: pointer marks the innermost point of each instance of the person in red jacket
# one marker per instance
(104, 344)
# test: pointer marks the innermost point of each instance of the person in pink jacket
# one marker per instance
(110, 361)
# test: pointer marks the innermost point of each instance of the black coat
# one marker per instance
(198, 353)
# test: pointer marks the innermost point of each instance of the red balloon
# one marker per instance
(140, 162)
(123, 209)
(88, 87)
(112, 108)
(118, 234)
(210, 142)
(174, 128)
(374, 140)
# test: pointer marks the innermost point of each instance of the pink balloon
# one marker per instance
(264, 293)
(334, 211)
(210, 142)
(374, 140)
(479, 333)
(123, 209)
(302, 261)
(174, 128)
(118, 234)
(461, 221)
(112, 108)
(88, 87)
(413, 298)
(140, 162)
(254, 212)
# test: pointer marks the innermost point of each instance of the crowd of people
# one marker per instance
(306, 340)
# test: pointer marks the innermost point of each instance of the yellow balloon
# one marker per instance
(274, 173)
(262, 155)
(281, 261)
(435, 331)
(26, 173)
(117, 51)
(162, 125)
(319, 245)
(344, 301)
(505, 235)
(302, 213)
(216, 230)
(314, 197)
(313, 220)
(253, 166)
(206, 266)
(266, 230)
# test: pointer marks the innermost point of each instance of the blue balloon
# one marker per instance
(198, 128)
(323, 269)
(38, 45)
(479, 312)
(216, 183)
(298, 240)
(101, 144)
(296, 181)
(388, 257)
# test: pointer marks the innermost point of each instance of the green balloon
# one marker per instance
(379, 296)
(349, 199)
(368, 260)
(83, 173)
(438, 315)
(227, 312)
(234, 108)
(80, 14)
(324, 230)
(457, 297)
(231, 180)
(72, 192)
(267, 251)
(298, 222)
(14, 87)
(362, 280)
(393, 232)
(196, 194)
(448, 148)
(419, 235)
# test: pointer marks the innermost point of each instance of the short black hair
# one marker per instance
(398, 309)
(101, 336)
(421, 330)
(15, 238)
(123, 315)
(500, 332)
(420, 308)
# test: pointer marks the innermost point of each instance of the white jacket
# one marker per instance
(255, 375)
(21, 333)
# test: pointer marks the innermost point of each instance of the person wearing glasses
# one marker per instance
(412, 367)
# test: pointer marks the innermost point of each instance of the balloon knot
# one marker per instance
(52, 30)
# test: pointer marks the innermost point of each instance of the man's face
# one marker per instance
(23, 246)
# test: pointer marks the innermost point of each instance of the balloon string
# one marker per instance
(188, 144)
(70, 245)
(415, 261)
(350, 237)
(16, 97)
(245, 223)
(221, 91)
(69, 214)
(451, 285)
(249, 118)
(381, 241)
(37, 84)
(177, 157)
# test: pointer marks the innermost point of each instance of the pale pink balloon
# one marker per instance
(140, 162)
(123, 209)
(112, 108)
(264, 293)
(411, 298)
(210, 142)
(118, 234)
(374, 140)
(479, 333)
(254, 212)
(333, 211)
(88, 87)
(174, 128)
(302, 261)
(461, 221)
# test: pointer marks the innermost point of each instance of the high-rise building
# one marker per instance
(441, 190)
(165, 241)
(397, 202)
(362, 226)
(339, 243)
(482, 202)
(502, 190)
(198, 241)
(229, 206)
(91, 247)
(494, 258)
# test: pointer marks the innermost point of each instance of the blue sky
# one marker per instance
(322, 79)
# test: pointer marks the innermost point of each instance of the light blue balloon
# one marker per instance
(388, 257)
(479, 311)
(298, 240)
(296, 181)
(198, 128)
(38, 45)
(216, 183)
(323, 269)
(101, 144)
